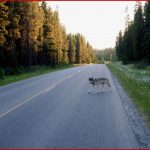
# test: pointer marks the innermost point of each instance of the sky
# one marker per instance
(98, 21)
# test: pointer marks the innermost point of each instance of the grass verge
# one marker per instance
(138, 93)
(38, 71)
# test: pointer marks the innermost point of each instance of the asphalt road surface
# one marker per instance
(55, 111)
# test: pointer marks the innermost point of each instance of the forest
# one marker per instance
(31, 35)
(105, 55)
(133, 44)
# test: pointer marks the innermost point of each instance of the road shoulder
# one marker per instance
(136, 120)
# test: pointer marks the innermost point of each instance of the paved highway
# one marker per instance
(55, 111)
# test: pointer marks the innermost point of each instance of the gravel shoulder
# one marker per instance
(140, 129)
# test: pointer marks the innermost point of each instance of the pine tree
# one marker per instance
(40, 38)
(22, 11)
(83, 49)
(146, 39)
(35, 22)
(128, 43)
(119, 46)
(14, 33)
(90, 55)
(78, 49)
(48, 51)
(71, 49)
(128, 38)
(57, 37)
(31, 34)
(52, 36)
(138, 32)
(64, 46)
(3, 23)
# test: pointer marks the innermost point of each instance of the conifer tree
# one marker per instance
(128, 43)
(31, 34)
(3, 23)
(57, 37)
(71, 49)
(78, 49)
(119, 46)
(138, 32)
(64, 46)
(14, 33)
(146, 39)
(49, 53)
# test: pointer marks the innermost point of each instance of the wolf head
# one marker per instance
(91, 79)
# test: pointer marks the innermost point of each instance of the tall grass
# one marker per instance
(137, 83)
(31, 73)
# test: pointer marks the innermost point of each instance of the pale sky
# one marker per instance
(98, 21)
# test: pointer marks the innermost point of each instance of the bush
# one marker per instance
(102, 62)
(141, 65)
(9, 71)
(19, 70)
(2, 74)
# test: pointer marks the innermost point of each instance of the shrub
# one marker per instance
(19, 70)
(140, 65)
(9, 71)
(2, 74)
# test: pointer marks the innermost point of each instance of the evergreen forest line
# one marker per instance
(133, 45)
(31, 35)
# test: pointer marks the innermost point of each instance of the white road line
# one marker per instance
(19, 105)
(50, 88)
(36, 95)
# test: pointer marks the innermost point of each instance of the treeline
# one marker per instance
(134, 44)
(31, 34)
(106, 54)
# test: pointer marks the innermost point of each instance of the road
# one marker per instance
(54, 110)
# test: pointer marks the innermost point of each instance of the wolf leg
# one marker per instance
(91, 89)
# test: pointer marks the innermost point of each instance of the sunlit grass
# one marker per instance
(137, 84)
(32, 73)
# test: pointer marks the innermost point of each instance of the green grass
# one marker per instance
(32, 73)
(139, 94)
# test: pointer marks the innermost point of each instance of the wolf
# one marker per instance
(99, 81)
